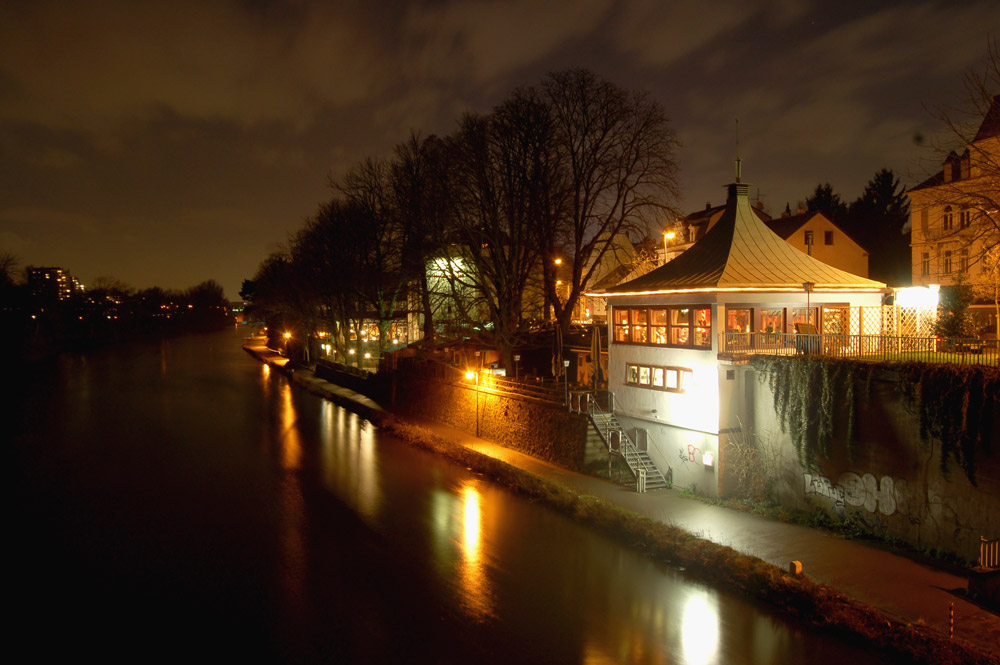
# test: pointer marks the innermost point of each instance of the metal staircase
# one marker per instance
(617, 440)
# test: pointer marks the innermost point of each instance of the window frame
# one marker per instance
(644, 326)
(635, 369)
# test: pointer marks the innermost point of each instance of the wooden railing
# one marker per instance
(989, 553)
(883, 348)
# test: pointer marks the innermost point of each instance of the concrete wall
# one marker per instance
(894, 484)
(545, 431)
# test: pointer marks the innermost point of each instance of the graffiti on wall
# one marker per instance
(935, 515)
(854, 490)
(692, 454)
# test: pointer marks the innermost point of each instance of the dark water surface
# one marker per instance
(178, 500)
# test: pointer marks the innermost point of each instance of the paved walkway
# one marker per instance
(895, 584)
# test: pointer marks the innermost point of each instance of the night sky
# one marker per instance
(165, 143)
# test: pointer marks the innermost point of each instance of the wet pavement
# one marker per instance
(912, 591)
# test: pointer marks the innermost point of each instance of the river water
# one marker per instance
(177, 500)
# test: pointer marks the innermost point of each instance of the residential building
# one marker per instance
(953, 215)
(808, 231)
(669, 330)
(51, 283)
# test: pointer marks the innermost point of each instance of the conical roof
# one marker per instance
(741, 254)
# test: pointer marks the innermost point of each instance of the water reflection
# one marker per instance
(293, 546)
(473, 574)
(457, 523)
(348, 459)
(700, 627)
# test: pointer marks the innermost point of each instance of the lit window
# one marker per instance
(738, 320)
(668, 379)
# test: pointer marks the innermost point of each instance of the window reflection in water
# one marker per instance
(700, 628)
(349, 460)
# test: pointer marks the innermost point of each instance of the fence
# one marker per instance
(885, 348)
(989, 553)
(551, 393)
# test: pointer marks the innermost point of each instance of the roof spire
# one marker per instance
(739, 162)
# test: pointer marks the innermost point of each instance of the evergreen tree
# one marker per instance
(826, 201)
(877, 220)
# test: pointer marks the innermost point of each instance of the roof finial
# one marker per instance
(739, 162)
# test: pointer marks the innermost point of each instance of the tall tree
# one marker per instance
(828, 202)
(377, 241)
(419, 192)
(878, 220)
(615, 173)
(502, 164)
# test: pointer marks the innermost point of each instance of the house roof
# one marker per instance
(741, 253)
(991, 122)
(786, 226)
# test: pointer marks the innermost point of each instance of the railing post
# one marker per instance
(640, 480)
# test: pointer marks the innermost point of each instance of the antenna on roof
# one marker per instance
(739, 162)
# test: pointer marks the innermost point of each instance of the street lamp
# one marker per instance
(667, 235)
(469, 375)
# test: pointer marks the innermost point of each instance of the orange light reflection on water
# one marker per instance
(472, 571)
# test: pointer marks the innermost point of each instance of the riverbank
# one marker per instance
(664, 526)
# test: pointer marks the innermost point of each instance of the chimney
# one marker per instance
(708, 206)
(787, 212)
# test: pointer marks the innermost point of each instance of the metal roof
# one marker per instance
(741, 254)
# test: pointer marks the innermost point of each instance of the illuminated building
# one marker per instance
(673, 332)
(51, 284)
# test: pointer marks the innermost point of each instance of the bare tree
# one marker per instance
(967, 189)
(502, 165)
(615, 152)
(419, 192)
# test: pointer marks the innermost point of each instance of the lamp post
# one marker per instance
(469, 375)
(667, 235)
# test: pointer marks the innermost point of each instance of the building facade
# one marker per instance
(673, 383)
(954, 219)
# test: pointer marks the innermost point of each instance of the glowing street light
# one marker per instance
(667, 235)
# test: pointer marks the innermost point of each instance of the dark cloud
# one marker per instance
(166, 142)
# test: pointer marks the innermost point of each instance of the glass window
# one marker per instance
(621, 325)
(772, 320)
(827, 237)
(640, 328)
(947, 219)
(658, 326)
(680, 326)
(947, 262)
(703, 327)
(738, 320)
(925, 263)
(633, 374)
(801, 315)
(658, 377)
(644, 376)
(673, 382)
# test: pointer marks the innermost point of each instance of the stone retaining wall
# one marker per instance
(542, 430)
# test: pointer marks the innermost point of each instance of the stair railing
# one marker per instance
(626, 449)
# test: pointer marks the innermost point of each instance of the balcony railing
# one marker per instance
(884, 348)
